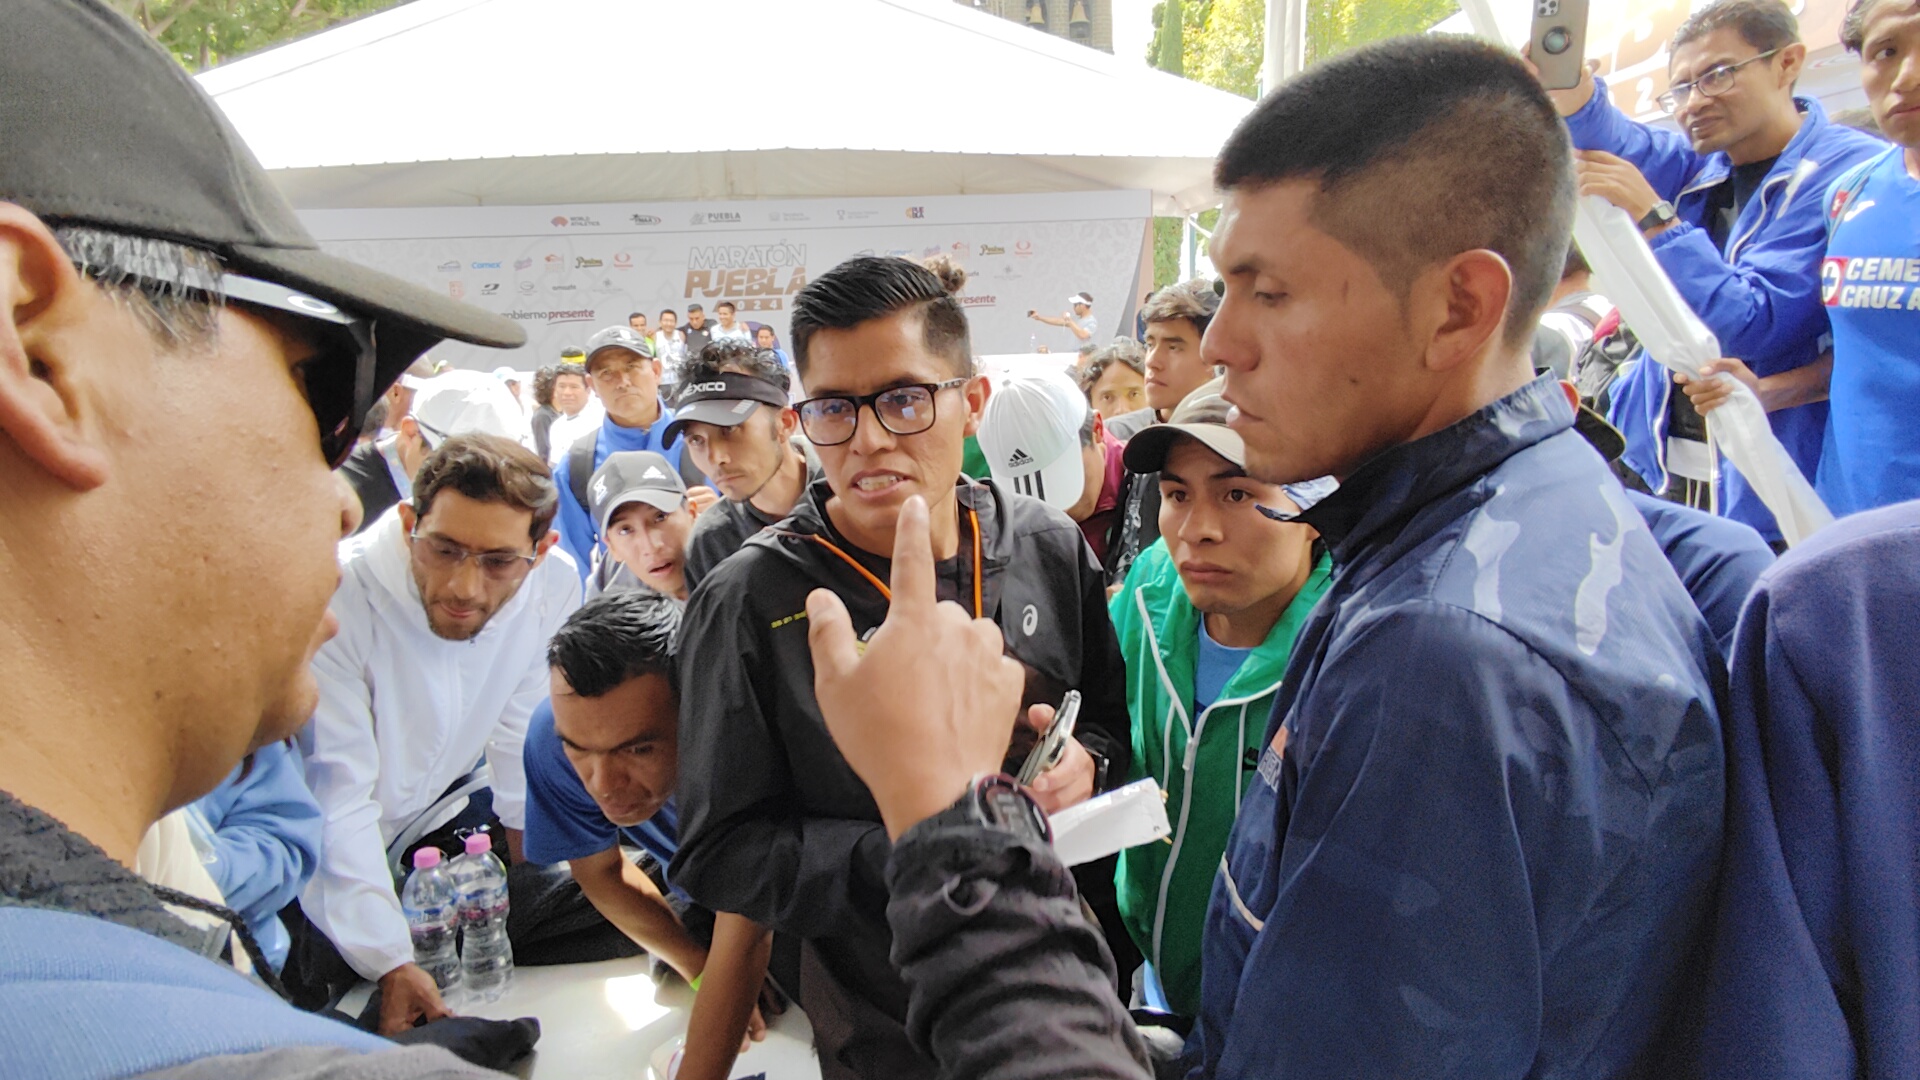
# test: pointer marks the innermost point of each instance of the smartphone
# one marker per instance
(1053, 745)
(1558, 45)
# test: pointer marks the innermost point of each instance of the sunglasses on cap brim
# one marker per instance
(337, 381)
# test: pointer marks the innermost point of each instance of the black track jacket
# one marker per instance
(774, 825)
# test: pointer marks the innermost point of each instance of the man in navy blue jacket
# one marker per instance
(1733, 210)
(1482, 837)
(1816, 966)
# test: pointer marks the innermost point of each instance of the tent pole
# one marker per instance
(1286, 43)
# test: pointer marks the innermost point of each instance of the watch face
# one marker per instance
(1005, 807)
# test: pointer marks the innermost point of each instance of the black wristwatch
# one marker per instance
(996, 801)
(1660, 216)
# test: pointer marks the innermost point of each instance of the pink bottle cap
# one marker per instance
(479, 843)
(426, 858)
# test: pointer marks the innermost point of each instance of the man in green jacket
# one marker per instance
(1207, 619)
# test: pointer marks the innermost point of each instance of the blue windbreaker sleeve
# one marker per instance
(1665, 158)
(267, 831)
(1423, 838)
(1770, 1008)
(1768, 299)
(577, 534)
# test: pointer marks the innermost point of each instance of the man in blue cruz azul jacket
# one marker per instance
(1734, 212)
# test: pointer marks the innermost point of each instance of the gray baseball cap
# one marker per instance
(619, 337)
(635, 476)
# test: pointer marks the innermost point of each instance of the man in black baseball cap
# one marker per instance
(741, 433)
(160, 307)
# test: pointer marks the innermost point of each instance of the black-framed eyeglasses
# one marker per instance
(1712, 83)
(338, 391)
(902, 410)
(442, 554)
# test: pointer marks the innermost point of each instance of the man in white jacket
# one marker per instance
(445, 609)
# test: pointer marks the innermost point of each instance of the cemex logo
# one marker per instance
(916, 211)
(494, 265)
(451, 266)
(522, 263)
(643, 219)
(1019, 459)
(1882, 283)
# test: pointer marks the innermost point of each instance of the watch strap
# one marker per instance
(1661, 214)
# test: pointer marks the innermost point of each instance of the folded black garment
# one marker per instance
(490, 1044)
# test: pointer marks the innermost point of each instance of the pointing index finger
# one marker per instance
(912, 577)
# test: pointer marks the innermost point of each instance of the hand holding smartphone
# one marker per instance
(1558, 43)
(1052, 746)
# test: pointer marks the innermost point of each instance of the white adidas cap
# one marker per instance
(464, 403)
(1030, 435)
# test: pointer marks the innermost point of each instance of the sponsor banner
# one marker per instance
(564, 271)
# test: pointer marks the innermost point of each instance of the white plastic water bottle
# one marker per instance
(433, 918)
(480, 883)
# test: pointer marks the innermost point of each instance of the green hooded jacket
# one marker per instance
(1164, 887)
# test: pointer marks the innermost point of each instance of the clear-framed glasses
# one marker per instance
(442, 554)
(902, 410)
(1712, 83)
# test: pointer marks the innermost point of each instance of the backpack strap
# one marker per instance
(580, 468)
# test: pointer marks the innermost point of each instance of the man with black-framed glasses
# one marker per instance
(444, 609)
(774, 825)
(1732, 208)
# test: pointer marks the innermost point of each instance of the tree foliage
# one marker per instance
(202, 33)
(1334, 26)
(1222, 43)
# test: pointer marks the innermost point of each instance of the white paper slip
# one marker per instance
(1122, 818)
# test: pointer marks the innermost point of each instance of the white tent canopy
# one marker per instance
(481, 102)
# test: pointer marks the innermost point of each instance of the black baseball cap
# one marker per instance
(99, 126)
(723, 401)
